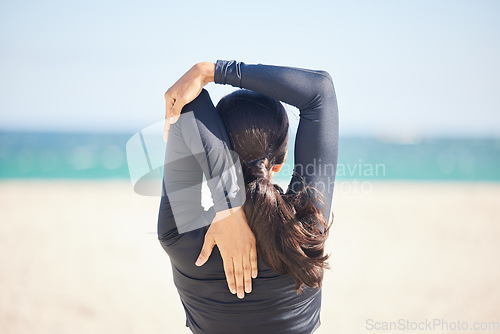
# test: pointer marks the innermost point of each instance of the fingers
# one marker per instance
(206, 250)
(253, 261)
(247, 274)
(239, 277)
(172, 113)
(175, 111)
(169, 99)
(229, 270)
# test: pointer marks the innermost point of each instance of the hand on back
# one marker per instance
(237, 245)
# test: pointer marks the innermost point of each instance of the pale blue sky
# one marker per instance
(418, 68)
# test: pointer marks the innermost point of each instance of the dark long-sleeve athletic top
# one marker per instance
(198, 144)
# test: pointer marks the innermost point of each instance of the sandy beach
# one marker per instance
(83, 257)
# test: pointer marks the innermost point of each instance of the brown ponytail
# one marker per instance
(290, 230)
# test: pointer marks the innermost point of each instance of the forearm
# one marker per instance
(295, 86)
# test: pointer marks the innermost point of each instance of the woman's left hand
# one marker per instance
(185, 90)
(236, 242)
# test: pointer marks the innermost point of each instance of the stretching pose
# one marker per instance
(270, 243)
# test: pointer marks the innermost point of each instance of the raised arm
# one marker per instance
(316, 142)
(198, 144)
(198, 133)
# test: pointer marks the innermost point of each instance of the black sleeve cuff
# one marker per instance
(228, 72)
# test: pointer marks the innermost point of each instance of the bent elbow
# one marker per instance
(325, 81)
(326, 75)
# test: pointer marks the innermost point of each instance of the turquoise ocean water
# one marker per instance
(103, 156)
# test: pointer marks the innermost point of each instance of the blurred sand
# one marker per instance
(83, 257)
